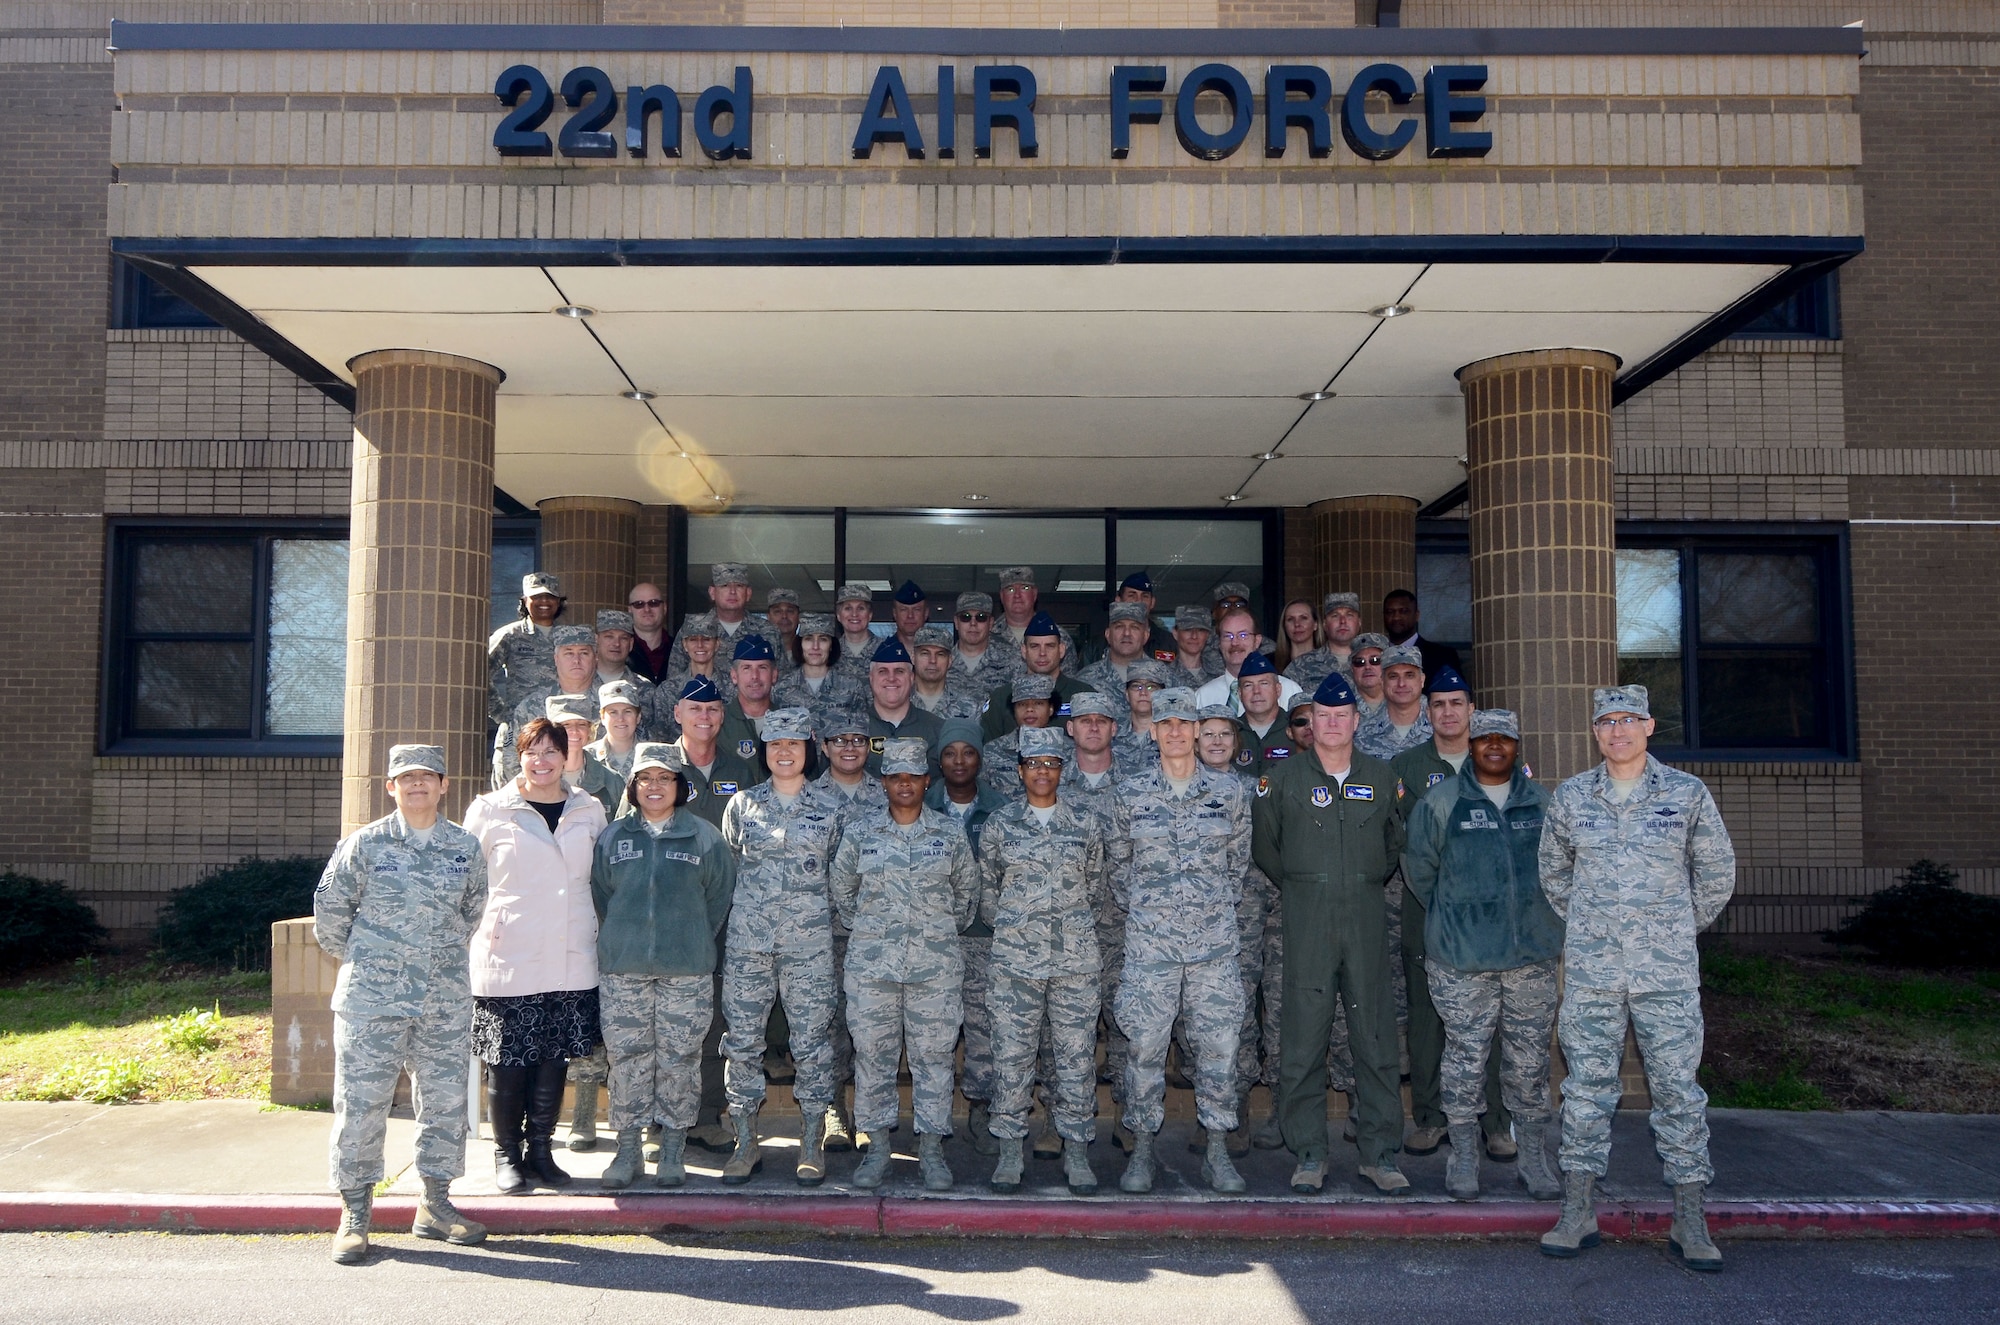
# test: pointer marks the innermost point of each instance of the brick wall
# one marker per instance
(54, 269)
(1781, 396)
(52, 543)
(209, 385)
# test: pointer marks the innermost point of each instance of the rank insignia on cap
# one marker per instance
(723, 788)
(746, 748)
(1243, 759)
(1263, 786)
(1358, 793)
(1322, 797)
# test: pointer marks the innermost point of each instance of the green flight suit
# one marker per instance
(1418, 769)
(1330, 848)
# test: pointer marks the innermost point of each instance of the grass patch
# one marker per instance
(1808, 1033)
(137, 1034)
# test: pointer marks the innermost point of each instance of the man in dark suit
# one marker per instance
(1399, 623)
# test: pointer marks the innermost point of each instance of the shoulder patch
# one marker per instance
(1358, 791)
(1243, 758)
(1433, 780)
(1263, 786)
(1401, 790)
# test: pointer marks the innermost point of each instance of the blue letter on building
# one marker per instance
(1443, 108)
(1017, 111)
(1354, 126)
(888, 118)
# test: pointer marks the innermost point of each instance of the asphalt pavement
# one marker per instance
(135, 1278)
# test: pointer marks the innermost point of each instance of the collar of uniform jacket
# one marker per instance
(681, 825)
(1522, 791)
(1649, 782)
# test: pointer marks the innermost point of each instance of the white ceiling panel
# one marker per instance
(1549, 287)
(1421, 353)
(1292, 482)
(386, 289)
(541, 355)
(1381, 426)
(1142, 287)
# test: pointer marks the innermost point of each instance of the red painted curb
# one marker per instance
(870, 1216)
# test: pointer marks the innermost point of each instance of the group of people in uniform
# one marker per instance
(956, 845)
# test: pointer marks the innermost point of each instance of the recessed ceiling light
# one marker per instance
(1272, 455)
(636, 394)
(1311, 396)
(977, 496)
(572, 310)
(1391, 310)
(1232, 496)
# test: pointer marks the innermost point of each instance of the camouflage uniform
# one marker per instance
(1377, 734)
(1132, 752)
(1635, 882)
(620, 766)
(957, 701)
(780, 939)
(1038, 886)
(996, 667)
(840, 689)
(661, 892)
(506, 759)
(904, 893)
(1104, 677)
(1000, 767)
(975, 945)
(1108, 911)
(1178, 867)
(867, 801)
(520, 662)
(398, 915)
(781, 650)
(1309, 669)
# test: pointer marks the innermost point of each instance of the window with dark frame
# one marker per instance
(1737, 635)
(139, 302)
(1811, 312)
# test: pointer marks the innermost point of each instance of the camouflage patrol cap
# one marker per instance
(618, 692)
(1208, 711)
(1129, 612)
(1014, 575)
(1232, 589)
(1335, 601)
(1044, 743)
(904, 754)
(541, 582)
(568, 708)
(1372, 639)
(790, 724)
(1300, 699)
(974, 600)
(934, 637)
(853, 592)
(1402, 655)
(781, 595)
(833, 722)
(1495, 722)
(818, 623)
(657, 754)
(1176, 702)
(1193, 616)
(1092, 703)
(416, 759)
(1619, 699)
(1032, 685)
(562, 637)
(1146, 669)
(728, 572)
(701, 625)
(613, 619)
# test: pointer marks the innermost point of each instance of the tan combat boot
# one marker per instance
(350, 1240)
(440, 1221)
(1576, 1231)
(1689, 1235)
(747, 1158)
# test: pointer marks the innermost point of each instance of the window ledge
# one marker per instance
(1763, 766)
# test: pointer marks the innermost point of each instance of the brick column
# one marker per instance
(593, 544)
(1544, 583)
(420, 571)
(1365, 545)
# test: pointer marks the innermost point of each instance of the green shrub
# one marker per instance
(42, 922)
(193, 1032)
(225, 919)
(98, 1081)
(1927, 920)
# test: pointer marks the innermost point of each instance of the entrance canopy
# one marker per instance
(1103, 384)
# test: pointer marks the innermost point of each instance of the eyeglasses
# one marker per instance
(1046, 765)
(1241, 636)
(975, 616)
(647, 603)
(846, 742)
(1625, 720)
(1144, 685)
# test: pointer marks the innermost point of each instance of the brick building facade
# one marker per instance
(1871, 432)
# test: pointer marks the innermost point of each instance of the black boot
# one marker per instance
(506, 1109)
(545, 1093)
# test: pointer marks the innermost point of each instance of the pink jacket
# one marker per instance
(539, 932)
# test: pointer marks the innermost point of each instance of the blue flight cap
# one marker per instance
(891, 650)
(1043, 624)
(1139, 580)
(909, 595)
(1257, 664)
(1448, 679)
(1334, 692)
(754, 648)
(701, 690)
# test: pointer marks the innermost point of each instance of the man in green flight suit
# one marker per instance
(1328, 833)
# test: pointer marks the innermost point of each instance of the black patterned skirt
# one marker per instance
(534, 1028)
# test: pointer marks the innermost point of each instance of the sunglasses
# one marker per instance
(1047, 765)
(647, 603)
(975, 616)
(1301, 722)
(1367, 662)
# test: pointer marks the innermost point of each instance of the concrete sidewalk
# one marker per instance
(234, 1165)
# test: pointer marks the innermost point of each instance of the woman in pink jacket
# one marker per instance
(534, 955)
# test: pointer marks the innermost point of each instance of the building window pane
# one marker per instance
(512, 560)
(187, 588)
(1758, 598)
(305, 668)
(789, 550)
(1188, 559)
(1444, 598)
(1760, 697)
(1649, 635)
(192, 686)
(948, 554)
